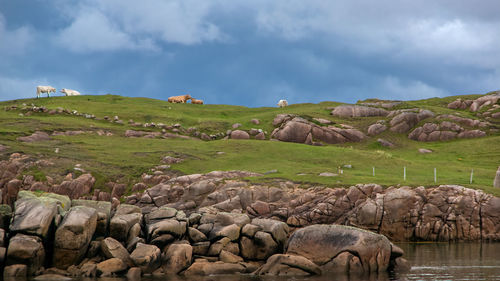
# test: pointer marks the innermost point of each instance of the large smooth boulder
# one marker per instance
(239, 135)
(73, 236)
(33, 216)
(146, 257)
(177, 258)
(341, 248)
(358, 111)
(103, 213)
(28, 250)
(288, 265)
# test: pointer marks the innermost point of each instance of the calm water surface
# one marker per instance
(430, 261)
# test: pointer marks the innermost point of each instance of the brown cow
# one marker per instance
(195, 101)
(179, 99)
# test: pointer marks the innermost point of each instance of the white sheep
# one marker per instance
(69, 92)
(44, 89)
(282, 103)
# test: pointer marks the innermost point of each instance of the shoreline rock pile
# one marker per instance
(52, 234)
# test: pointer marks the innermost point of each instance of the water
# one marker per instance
(456, 261)
(430, 261)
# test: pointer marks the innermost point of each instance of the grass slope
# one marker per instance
(125, 159)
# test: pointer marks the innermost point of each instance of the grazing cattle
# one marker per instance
(179, 99)
(69, 92)
(195, 101)
(44, 89)
(282, 103)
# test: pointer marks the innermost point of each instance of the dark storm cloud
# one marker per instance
(251, 52)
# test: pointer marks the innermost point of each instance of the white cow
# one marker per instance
(44, 89)
(282, 103)
(69, 92)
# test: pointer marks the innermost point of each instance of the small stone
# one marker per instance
(424, 150)
(327, 174)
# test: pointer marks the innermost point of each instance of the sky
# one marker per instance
(251, 52)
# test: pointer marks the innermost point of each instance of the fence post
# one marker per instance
(435, 175)
(471, 175)
(404, 173)
(373, 168)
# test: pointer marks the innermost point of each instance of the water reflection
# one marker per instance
(430, 261)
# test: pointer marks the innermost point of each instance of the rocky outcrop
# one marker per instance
(35, 137)
(297, 129)
(406, 120)
(360, 205)
(358, 111)
(477, 104)
(77, 187)
(464, 121)
(442, 132)
(483, 101)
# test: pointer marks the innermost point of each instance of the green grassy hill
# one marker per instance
(124, 159)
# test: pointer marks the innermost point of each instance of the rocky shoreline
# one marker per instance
(54, 236)
(217, 223)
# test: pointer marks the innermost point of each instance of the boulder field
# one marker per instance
(217, 223)
(52, 235)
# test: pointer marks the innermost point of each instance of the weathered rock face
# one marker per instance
(33, 216)
(28, 250)
(103, 214)
(296, 129)
(358, 111)
(360, 205)
(73, 236)
(341, 248)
